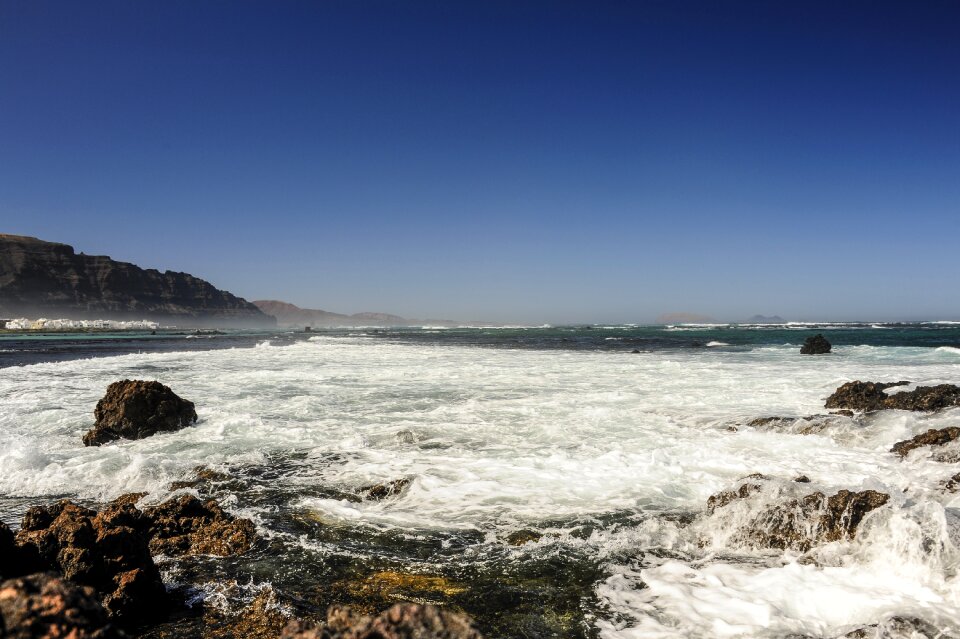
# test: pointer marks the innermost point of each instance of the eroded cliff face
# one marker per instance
(47, 279)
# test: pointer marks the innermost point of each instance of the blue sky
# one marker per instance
(513, 161)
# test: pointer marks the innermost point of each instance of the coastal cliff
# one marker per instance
(49, 279)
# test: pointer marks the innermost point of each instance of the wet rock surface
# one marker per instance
(378, 492)
(933, 437)
(107, 551)
(402, 621)
(809, 425)
(870, 396)
(801, 523)
(44, 606)
(134, 409)
(111, 551)
(188, 526)
(899, 628)
(816, 345)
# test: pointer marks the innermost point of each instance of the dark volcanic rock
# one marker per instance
(933, 437)
(870, 396)
(43, 606)
(801, 523)
(402, 621)
(525, 536)
(187, 526)
(14, 560)
(46, 279)
(725, 497)
(816, 345)
(107, 551)
(384, 490)
(134, 409)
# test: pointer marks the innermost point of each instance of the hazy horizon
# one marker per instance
(506, 162)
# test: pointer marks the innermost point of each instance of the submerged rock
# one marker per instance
(187, 526)
(898, 627)
(377, 492)
(870, 396)
(134, 409)
(816, 345)
(43, 606)
(107, 551)
(933, 437)
(402, 621)
(952, 484)
(809, 425)
(525, 536)
(262, 618)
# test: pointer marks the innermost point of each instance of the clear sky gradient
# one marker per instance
(510, 161)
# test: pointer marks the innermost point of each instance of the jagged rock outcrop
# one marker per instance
(187, 526)
(402, 621)
(134, 409)
(799, 523)
(44, 606)
(110, 551)
(933, 437)
(816, 345)
(47, 279)
(106, 551)
(870, 396)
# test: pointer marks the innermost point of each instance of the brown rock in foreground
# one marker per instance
(134, 409)
(106, 551)
(14, 560)
(870, 396)
(187, 526)
(402, 621)
(43, 606)
(933, 437)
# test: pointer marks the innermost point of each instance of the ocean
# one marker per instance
(599, 458)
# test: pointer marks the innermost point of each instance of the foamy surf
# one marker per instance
(609, 459)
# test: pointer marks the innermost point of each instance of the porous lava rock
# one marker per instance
(107, 551)
(186, 525)
(44, 606)
(801, 523)
(870, 396)
(816, 345)
(402, 621)
(134, 409)
(933, 437)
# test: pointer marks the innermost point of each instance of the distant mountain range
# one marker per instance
(48, 279)
(293, 316)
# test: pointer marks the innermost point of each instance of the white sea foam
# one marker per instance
(717, 344)
(497, 439)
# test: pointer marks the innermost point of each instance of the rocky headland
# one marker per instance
(48, 279)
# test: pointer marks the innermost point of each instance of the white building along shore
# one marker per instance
(44, 324)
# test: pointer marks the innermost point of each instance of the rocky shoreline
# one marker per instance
(81, 572)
